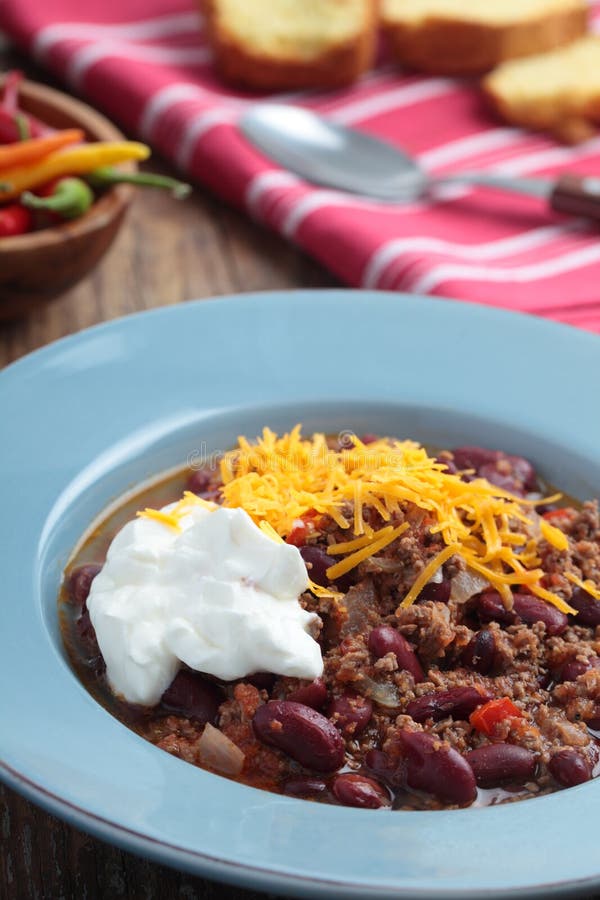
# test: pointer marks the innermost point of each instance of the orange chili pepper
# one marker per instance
(25, 152)
(486, 717)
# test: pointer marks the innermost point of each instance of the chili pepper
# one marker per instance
(15, 124)
(9, 126)
(14, 219)
(486, 717)
(105, 176)
(70, 198)
(10, 96)
(72, 161)
(29, 151)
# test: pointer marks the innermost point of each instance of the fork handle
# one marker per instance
(577, 196)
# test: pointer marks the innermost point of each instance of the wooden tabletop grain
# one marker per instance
(167, 252)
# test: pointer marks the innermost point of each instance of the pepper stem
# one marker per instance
(107, 175)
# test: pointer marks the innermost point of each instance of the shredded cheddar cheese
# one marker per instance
(553, 535)
(346, 565)
(429, 570)
(278, 479)
(588, 586)
(181, 509)
(160, 516)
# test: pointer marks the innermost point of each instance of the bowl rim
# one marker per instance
(106, 207)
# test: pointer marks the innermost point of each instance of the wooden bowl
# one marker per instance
(37, 267)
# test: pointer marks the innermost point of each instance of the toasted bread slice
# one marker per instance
(292, 44)
(461, 37)
(557, 92)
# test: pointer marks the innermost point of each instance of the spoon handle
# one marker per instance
(577, 196)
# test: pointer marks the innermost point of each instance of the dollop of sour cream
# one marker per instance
(217, 594)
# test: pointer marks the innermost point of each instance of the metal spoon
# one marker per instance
(335, 156)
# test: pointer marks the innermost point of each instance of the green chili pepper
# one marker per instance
(107, 175)
(70, 198)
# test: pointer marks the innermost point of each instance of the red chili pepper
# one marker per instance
(14, 219)
(14, 122)
(486, 717)
(10, 131)
(12, 83)
(303, 528)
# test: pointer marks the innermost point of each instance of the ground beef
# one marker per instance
(374, 697)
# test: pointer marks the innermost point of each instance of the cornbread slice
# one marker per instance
(292, 44)
(557, 92)
(454, 37)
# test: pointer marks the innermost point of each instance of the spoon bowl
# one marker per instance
(329, 154)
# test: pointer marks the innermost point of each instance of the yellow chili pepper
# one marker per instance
(74, 161)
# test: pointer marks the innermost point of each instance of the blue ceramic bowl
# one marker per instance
(88, 417)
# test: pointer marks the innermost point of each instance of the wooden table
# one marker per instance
(166, 253)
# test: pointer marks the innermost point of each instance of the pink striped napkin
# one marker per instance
(147, 64)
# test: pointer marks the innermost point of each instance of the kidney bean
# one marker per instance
(302, 733)
(199, 481)
(386, 639)
(493, 764)
(360, 790)
(480, 652)
(193, 696)
(304, 787)
(313, 694)
(474, 457)
(569, 767)
(264, 681)
(318, 561)
(350, 713)
(458, 702)
(490, 608)
(502, 480)
(381, 765)
(524, 472)
(87, 636)
(80, 582)
(434, 767)
(531, 609)
(451, 467)
(513, 473)
(594, 721)
(573, 668)
(588, 609)
(438, 591)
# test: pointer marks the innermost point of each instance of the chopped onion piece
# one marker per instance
(466, 584)
(217, 752)
(383, 694)
(385, 565)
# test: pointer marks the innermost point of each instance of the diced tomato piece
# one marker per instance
(303, 528)
(486, 717)
(555, 515)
